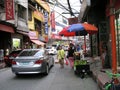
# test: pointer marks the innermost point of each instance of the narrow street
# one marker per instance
(58, 79)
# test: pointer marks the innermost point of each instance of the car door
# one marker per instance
(50, 59)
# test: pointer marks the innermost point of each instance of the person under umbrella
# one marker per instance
(70, 54)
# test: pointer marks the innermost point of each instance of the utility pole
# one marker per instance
(113, 38)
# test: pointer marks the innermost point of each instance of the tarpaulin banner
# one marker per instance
(9, 6)
(46, 22)
(53, 21)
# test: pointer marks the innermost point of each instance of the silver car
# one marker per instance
(31, 61)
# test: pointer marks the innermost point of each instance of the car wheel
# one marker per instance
(47, 70)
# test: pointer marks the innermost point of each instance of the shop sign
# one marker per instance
(9, 9)
(53, 21)
(73, 20)
(84, 7)
(33, 35)
(54, 36)
(46, 22)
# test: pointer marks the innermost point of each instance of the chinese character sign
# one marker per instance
(53, 21)
(46, 22)
(9, 9)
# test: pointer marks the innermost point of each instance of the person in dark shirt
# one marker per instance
(78, 48)
(70, 54)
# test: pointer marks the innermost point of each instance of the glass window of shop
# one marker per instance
(16, 43)
(117, 28)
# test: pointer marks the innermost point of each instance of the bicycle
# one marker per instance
(111, 85)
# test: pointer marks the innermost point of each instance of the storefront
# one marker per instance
(33, 35)
(5, 38)
(17, 41)
(87, 16)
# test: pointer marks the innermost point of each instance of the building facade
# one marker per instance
(18, 19)
(98, 12)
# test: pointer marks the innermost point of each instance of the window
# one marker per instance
(22, 12)
(29, 14)
(28, 53)
(1, 3)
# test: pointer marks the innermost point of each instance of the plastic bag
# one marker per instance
(66, 62)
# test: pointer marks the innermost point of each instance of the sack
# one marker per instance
(66, 62)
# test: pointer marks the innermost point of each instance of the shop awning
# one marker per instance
(6, 28)
(38, 42)
(44, 5)
(23, 33)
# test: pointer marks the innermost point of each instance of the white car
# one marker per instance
(51, 50)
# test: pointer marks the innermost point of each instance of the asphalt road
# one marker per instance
(58, 79)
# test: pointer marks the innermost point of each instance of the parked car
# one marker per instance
(8, 58)
(51, 50)
(32, 61)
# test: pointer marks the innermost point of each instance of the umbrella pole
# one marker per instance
(85, 43)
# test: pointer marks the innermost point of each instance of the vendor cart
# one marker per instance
(81, 67)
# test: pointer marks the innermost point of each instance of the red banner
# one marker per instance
(9, 9)
(54, 36)
(53, 21)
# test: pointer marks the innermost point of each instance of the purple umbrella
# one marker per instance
(83, 29)
(76, 27)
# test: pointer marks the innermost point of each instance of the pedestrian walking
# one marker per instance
(77, 48)
(70, 54)
(61, 56)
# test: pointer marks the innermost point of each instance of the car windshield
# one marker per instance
(29, 53)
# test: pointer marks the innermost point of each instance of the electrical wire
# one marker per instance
(72, 14)
(60, 5)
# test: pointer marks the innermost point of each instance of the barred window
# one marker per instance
(29, 14)
(22, 12)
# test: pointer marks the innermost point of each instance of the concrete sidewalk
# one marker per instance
(99, 77)
(95, 66)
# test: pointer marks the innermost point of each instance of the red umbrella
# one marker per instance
(65, 33)
(83, 29)
(91, 29)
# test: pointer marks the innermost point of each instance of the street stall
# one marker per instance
(81, 66)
